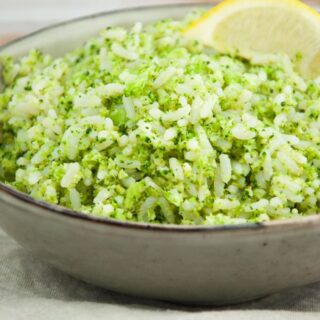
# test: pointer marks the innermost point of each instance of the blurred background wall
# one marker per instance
(18, 17)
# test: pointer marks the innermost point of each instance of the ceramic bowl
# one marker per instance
(189, 265)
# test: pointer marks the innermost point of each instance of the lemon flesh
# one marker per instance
(251, 27)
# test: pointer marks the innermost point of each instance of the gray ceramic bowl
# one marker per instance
(190, 265)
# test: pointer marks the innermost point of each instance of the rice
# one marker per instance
(225, 204)
(170, 134)
(164, 76)
(118, 34)
(176, 168)
(225, 168)
(103, 195)
(121, 52)
(71, 176)
(240, 132)
(112, 89)
(86, 101)
(75, 199)
(143, 125)
(129, 107)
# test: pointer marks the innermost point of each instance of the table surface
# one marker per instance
(29, 289)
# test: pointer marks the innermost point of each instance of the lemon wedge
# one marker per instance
(251, 27)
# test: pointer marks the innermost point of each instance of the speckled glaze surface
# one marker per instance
(197, 266)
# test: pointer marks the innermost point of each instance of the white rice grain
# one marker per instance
(129, 107)
(170, 134)
(225, 204)
(75, 199)
(225, 168)
(176, 168)
(103, 195)
(120, 51)
(240, 132)
(164, 77)
(72, 175)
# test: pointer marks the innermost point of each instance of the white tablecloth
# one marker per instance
(32, 290)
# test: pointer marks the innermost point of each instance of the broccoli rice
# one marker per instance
(144, 125)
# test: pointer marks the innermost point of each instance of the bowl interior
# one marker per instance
(66, 36)
(61, 38)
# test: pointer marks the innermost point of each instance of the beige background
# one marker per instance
(23, 16)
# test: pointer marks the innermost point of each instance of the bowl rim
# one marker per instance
(19, 198)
